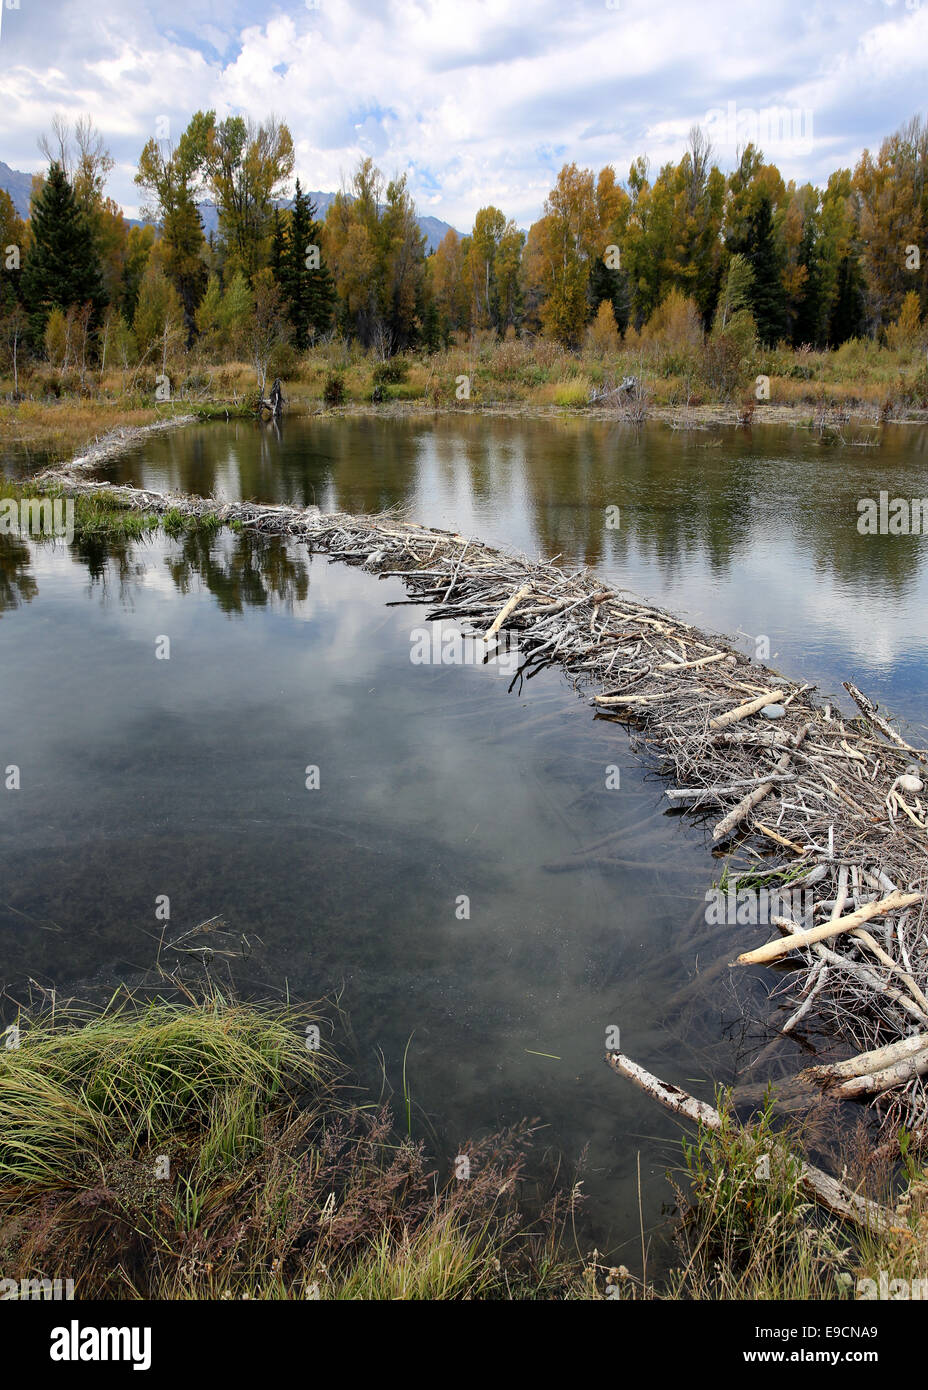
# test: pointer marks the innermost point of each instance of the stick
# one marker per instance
(869, 709)
(627, 699)
(775, 949)
(738, 813)
(724, 789)
(828, 1191)
(733, 715)
(691, 665)
(506, 610)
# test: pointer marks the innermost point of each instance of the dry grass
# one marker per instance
(59, 429)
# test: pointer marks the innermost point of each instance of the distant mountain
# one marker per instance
(432, 228)
(19, 187)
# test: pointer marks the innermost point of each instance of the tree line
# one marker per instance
(801, 264)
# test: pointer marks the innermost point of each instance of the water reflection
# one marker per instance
(17, 583)
(740, 531)
(239, 569)
(243, 571)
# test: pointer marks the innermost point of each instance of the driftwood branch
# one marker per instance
(774, 950)
(835, 1196)
(772, 697)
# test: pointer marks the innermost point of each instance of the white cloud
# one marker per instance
(482, 100)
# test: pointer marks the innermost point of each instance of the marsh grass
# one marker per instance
(200, 1150)
(58, 420)
(747, 1230)
(99, 516)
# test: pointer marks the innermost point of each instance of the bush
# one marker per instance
(284, 361)
(392, 372)
(727, 354)
(675, 324)
(602, 336)
(333, 392)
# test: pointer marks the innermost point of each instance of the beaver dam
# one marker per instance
(830, 812)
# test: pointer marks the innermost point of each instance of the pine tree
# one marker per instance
(278, 248)
(808, 326)
(768, 296)
(304, 279)
(62, 268)
(848, 317)
(611, 286)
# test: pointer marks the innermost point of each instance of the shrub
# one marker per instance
(675, 324)
(727, 353)
(602, 336)
(333, 392)
(392, 372)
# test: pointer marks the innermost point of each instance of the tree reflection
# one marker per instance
(240, 569)
(17, 583)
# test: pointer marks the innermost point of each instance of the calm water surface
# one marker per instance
(750, 533)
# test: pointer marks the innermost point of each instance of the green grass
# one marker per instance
(176, 522)
(101, 516)
(276, 1187)
(139, 1079)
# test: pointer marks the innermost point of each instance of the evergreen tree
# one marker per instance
(848, 317)
(768, 296)
(62, 268)
(808, 326)
(278, 248)
(304, 280)
(613, 286)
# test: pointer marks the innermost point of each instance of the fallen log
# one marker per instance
(505, 612)
(829, 1192)
(865, 1062)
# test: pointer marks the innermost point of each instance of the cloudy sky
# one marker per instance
(482, 101)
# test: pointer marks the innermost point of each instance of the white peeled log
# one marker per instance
(826, 1190)
(775, 950)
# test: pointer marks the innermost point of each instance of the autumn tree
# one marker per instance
(447, 284)
(268, 327)
(491, 266)
(568, 240)
(249, 166)
(376, 252)
(173, 177)
(158, 323)
(891, 193)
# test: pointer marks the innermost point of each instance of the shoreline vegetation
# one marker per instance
(185, 1145)
(860, 385)
(745, 1223)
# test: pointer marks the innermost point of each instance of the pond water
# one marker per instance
(749, 533)
(186, 777)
